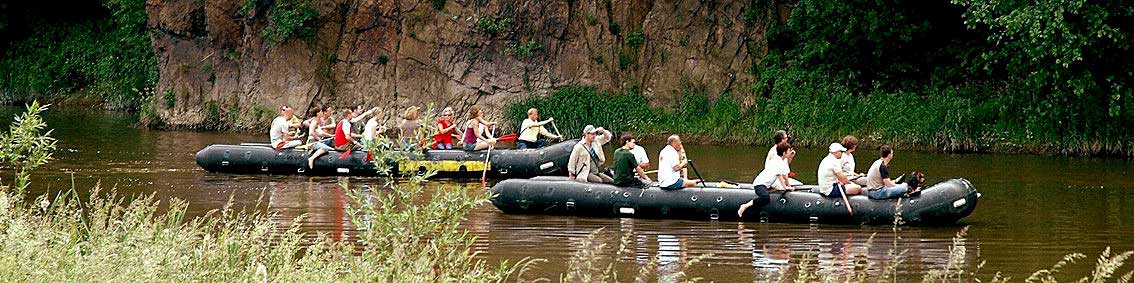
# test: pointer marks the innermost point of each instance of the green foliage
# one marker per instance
(438, 4)
(624, 60)
(111, 58)
(525, 50)
(27, 145)
(288, 19)
(170, 99)
(635, 39)
(383, 59)
(1027, 74)
(614, 28)
(248, 7)
(494, 26)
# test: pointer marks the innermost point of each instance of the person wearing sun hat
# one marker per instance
(833, 181)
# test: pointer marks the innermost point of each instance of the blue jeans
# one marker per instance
(527, 144)
(887, 192)
(322, 145)
(442, 145)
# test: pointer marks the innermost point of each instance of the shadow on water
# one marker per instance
(1035, 209)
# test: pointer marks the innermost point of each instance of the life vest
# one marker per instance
(340, 135)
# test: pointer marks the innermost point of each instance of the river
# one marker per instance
(1034, 210)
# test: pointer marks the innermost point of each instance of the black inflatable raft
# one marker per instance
(942, 204)
(508, 163)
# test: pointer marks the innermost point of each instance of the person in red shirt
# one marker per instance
(344, 138)
(446, 130)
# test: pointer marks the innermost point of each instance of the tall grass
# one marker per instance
(817, 113)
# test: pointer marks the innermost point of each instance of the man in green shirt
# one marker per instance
(626, 165)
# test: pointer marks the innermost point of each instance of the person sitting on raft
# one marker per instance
(343, 140)
(780, 137)
(878, 177)
(279, 134)
(446, 130)
(628, 171)
(319, 128)
(584, 164)
(851, 143)
(832, 181)
(672, 164)
(532, 128)
(774, 176)
(407, 129)
(474, 137)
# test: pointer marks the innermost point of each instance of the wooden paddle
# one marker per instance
(846, 201)
(484, 174)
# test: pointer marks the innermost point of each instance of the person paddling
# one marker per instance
(774, 176)
(474, 137)
(532, 128)
(344, 138)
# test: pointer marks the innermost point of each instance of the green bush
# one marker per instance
(288, 19)
(526, 50)
(493, 26)
(635, 39)
(111, 58)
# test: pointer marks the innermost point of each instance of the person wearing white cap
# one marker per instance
(832, 176)
(585, 163)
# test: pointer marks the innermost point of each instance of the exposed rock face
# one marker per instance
(215, 63)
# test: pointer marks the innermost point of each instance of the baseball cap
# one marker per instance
(590, 129)
(836, 147)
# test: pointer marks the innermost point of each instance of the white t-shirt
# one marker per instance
(769, 177)
(827, 169)
(848, 163)
(370, 129)
(771, 157)
(666, 161)
(874, 175)
(279, 130)
(640, 154)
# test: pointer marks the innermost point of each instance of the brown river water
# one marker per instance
(1034, 210)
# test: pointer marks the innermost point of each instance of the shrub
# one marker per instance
(288, 19)
(635, 39)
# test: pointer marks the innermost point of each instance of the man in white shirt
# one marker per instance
(671, 166)
(775, 176)
(780, 137)
(280, 138)
(832, 180)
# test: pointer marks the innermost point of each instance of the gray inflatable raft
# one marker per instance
(941, 204)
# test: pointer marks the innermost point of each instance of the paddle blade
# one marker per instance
(507, 138)
(346, 153)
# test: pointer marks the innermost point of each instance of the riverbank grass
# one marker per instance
(817, 114)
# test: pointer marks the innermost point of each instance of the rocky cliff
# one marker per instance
(218, 66)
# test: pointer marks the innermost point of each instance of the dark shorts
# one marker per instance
(836, 191)
(527, 144)
(470, 146)
(676, 185)
(631, 183)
